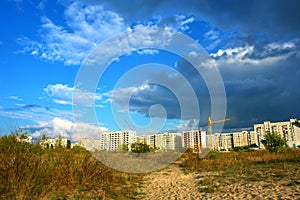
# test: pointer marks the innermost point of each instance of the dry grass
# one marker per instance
(29, 172)
(218, 170)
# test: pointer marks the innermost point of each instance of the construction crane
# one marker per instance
(210, 123)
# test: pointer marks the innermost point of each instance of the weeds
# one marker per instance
(242, 167)
(29, 172)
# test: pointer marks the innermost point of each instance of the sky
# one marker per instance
(80, 68)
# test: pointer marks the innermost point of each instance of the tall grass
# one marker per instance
(29, 172)
(217, 170)
(218, 161)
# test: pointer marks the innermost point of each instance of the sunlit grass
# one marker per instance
(218, 170)
(30, 172)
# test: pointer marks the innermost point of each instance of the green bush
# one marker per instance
(274, 142)
(141, 148)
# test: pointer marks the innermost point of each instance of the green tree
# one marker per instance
(138, 147)
(124, 147)
(274, 142)
(68, 144)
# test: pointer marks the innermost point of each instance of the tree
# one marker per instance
(138, 147)
(68, 144)
(274, 142)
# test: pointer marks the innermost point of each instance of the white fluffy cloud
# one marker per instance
(86, 26)
(256, 55)
(66, 129)
(62, 94)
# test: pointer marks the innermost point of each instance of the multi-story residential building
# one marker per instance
(252, 139)
(296, 128)
(194, 139)
(225, 142)
(213, 141)
(164, 141)
(240, 139)
(157, 141)
(143, 139)
(114, 141)
(52, 143)
(284, 129)
(172, 141)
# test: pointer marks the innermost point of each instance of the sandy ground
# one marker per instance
(172, 183)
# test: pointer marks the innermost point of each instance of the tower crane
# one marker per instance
(210, 123)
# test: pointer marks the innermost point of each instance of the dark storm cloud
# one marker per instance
(270, 94)
(275, 18)
(259, 64)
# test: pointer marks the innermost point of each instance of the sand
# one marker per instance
(172, 183)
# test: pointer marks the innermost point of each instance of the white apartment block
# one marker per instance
(240, 139)
(228, 141)
(52, 143)
(171, 141)
(296, 129)
(164, 141)
(157, 141)
(252, 138)
(114, 141)
(213, 141)
(225, 142)
(194, 139)
(284, 129)
(143, 139)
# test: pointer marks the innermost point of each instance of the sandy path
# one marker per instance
(172, 183)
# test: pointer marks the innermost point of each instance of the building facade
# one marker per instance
(171, 141)
(115, 141)
(240, 139)
(213, 141)
(194, 139)
(284, 129)
(53, 143)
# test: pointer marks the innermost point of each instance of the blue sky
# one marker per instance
(253, 45)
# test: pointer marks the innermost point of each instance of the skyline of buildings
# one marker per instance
(194, 139)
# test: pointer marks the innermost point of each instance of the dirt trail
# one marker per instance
(170, 183)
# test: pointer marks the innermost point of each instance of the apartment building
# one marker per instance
(225, 142)
(114, 141)
(194, 139)
(213, 141)
(157, 141)
(171, 141)
(296, 128)
(240, 139)
(164, 141)
(284, 129)
(143, 139)
(53, 143)
(252, 138)
(228, 141)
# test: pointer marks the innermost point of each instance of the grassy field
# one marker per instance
(218, 170)
(30, 172)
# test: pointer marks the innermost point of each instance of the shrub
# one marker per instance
(274, 142)
(141, 148)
